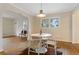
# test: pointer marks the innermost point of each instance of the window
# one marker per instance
(54, 22)
(50, 22)
(45, 23)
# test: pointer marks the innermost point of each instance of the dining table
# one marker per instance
(44, 37)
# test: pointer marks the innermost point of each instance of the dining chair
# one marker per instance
(36, 47)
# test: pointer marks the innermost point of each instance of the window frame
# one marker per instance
(58, 22)
(49, 22)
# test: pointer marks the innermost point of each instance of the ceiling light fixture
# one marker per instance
(41, 14)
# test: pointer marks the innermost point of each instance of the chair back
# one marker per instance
(35, 43)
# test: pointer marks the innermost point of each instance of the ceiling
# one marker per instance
(49, 8)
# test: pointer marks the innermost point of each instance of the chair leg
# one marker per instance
(55, 48)
(38, 53)
(28, 51)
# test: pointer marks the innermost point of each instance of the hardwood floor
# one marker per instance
(72, 49)
(9, 36)
(17, 46)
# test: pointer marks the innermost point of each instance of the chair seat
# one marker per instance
(41, 50)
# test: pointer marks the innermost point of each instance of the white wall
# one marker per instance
(35, 25)
(13, 23)
(1, 40)
(75, 25)
(64, 31)
(14, 26)
(8, 26)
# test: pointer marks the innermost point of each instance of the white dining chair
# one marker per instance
(36, 47)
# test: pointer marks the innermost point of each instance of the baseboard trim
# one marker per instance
(9, 36)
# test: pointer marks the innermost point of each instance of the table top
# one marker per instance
(41, 35)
